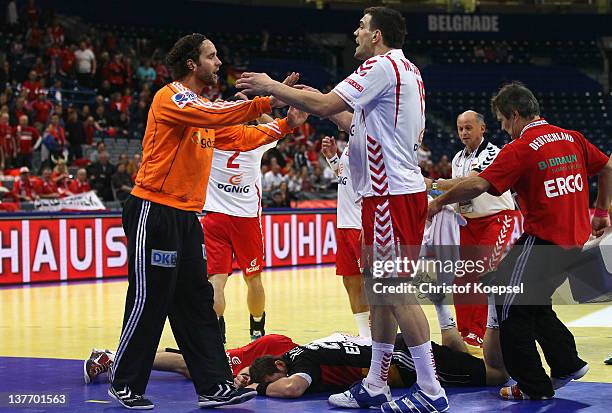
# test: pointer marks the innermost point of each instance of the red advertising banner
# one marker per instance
(76, 248)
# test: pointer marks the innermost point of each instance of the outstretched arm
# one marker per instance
(323, 105)
(468, 189)
(246, 138)
(286, 387)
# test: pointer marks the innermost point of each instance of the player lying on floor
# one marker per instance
(100, 361)
(334, 363)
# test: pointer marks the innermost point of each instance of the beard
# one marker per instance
(209, 79)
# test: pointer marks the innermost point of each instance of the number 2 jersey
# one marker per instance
(234, 187)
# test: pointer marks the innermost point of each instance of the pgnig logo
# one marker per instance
(235, 189)
(203, 142)
(234, 185)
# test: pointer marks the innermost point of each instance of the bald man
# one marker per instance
(490, 223)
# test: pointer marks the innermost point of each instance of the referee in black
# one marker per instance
(166, 264)
(548, 167)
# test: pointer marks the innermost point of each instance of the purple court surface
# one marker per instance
(172, 393)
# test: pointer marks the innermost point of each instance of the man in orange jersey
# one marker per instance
(166, 267)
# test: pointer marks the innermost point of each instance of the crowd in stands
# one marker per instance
(65, 92)
(42, 132)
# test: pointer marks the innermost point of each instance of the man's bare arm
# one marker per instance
(323, 105)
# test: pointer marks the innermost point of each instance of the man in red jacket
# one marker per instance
(80, 184)
(548, 167)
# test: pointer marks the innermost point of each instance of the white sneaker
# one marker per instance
(558, 382)
(359, 396)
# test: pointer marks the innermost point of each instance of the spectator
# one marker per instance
(134, 164)
(319, 181)
(123, 159)
(27, 139)
(42, 107)
(75, 135)
(101, 120)
(100, 147)
(100, 174)
(272, 178)
(24, 188)
(146, 74)
(58, 133)
(80, 184)
(122, 183)
(85, 65)
(286, 195)
(299, 157)
(444, 168)
(7, 143)
(277, 200)
(115, 73)
(162, 74)
(18, 110)
(62, 179)
(32, 85)
(48, 188)
(67, 58)
(90, 129)
(305, 183)
(293, 183)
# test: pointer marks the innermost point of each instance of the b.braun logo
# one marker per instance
(203, 141)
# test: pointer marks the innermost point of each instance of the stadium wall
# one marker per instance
(206, 18)
(38, 248)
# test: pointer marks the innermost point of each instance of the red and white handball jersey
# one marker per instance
(388, 99)
(548, 168)
(478, 160)
(234, 186)
(349, 208)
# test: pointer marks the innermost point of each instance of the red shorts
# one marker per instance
(348, 251)
(226, 236)
(393, 225)
(486, 238)
(492, 233)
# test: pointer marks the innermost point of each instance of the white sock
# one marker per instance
(445, 316)
(363, 323)
(379, 366)
(492, 313)
(257, 319)
(425, 368)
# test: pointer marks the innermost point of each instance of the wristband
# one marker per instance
(333, 161)
(261, 388)
(434, 185)
(601, 213)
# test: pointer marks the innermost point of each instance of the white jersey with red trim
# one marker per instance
(234, 186)
(349, 207)
(388, 99)
(477, 161)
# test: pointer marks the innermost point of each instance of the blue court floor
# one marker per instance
(172, 393)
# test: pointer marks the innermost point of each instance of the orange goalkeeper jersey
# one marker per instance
(182, 130)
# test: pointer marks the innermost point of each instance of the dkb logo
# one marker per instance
(163, 258)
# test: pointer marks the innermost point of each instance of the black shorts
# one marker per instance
(454, 368)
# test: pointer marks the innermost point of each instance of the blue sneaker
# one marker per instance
(417, 401)
(360, 397)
